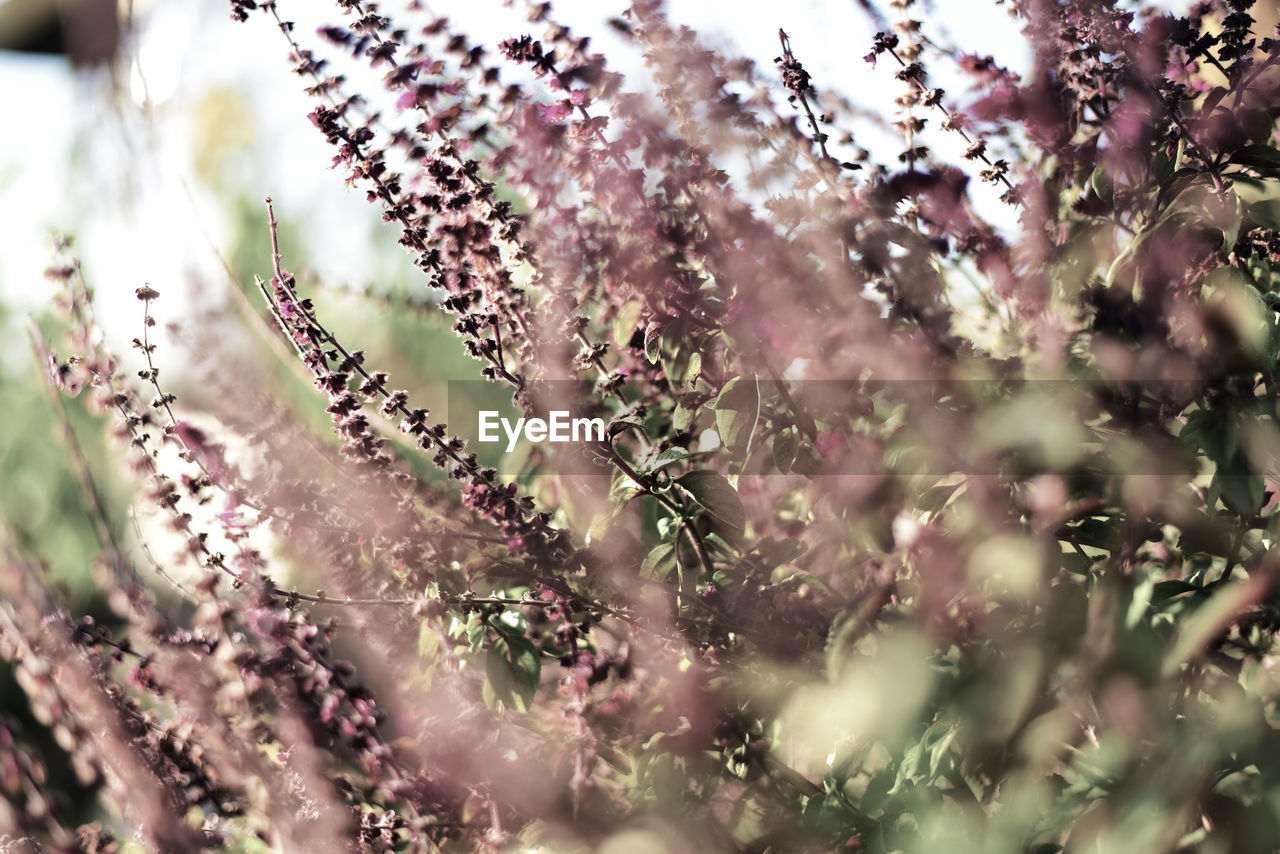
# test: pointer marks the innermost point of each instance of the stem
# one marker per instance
(963, 135)
(120, 565)
(818, 136)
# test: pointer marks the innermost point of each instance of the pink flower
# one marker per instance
(553, 114)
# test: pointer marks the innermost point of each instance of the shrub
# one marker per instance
(916, 527)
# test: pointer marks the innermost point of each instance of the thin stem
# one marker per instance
(956, 127)
(155, 564)
(120, 565)
(818, 136)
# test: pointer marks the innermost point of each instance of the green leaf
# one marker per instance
(624, 423)
(1141, 601)
(1100, 183)
(807, 462)
(624, 325)
(737, 410)
(1218, 434)
(1166, 590)
(623, 490)
(1265, 213)
(600, 525)
(937, 740)
(652, 344)
(933, 499)
(1095, 533)
(876, 795)
(713, 492)
(1242, 493)
(1258, 124)
(682, 418)
(777, 552)
(1262, 158)
(621, 493)
(694, 370)
(673, 339)
(721, 547)
(660, 561)
(1194, 431)
(668, 457)
(1162, 166)
(785, 445)
(1202, 534)
(514, 669)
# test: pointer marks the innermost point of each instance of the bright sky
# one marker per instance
(117, 174)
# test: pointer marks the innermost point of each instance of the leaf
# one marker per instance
(1265, 213)
(624, 325)
(623, 490)
(1218, 434)
(1166, 590)
(937, 740)
(1242, 493)
(807, 462)
(673, 339)
(652, 343)
(659, 562)
(1193, 432)
(682, 418)
(621, 493)
(600, 524)
(1141, 601)
(877, 791)
(1262, 158)
(624, 423)
(1213, 434)
(713, 492)
(1257, 123)
(933, 499)
(514, 669)
(785, 445)
(1215, 96)
(1091, 532)
(694, 370)
(1162, 166)
(1202, 534)
(777, 552)
(722, 547)
(737, 410)
(1100, 183)
(668, 457)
